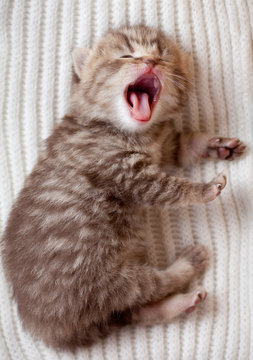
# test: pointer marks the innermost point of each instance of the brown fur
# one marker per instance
(73, 242)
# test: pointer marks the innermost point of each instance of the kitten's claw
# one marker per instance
(214, 188)
(196, 297)
(198, 256)
(224, 148)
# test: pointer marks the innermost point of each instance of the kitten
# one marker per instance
(73, 245)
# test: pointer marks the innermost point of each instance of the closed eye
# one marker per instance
(126, 56)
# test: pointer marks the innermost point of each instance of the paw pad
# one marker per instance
(225, 148)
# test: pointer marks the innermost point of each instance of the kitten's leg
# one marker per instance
(140, 285)
(137, 181)
(191, 263)
(144, 183)
(167, 309)
(194, 146)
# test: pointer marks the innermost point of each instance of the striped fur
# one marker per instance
(73, 248)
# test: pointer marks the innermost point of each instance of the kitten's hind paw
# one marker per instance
(194, 298)
(197, 256)
(225, 148)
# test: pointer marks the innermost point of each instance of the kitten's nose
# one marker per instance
(150, 62)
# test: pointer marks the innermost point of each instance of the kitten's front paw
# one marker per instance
(197, 256)
(214, 188)
(224, 148)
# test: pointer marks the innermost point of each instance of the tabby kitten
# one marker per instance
(73, 245)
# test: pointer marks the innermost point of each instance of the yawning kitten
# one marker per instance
(74, 240)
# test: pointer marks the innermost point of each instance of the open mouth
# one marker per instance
(142, 95)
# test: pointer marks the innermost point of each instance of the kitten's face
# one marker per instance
(133, 77)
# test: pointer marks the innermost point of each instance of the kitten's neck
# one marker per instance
(107, 128)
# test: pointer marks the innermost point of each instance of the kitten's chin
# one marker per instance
(126, 122)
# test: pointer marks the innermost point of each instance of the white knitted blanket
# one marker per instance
(36, 38)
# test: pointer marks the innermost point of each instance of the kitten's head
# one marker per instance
(133, 77)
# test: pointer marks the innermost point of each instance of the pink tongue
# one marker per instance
(141, 109)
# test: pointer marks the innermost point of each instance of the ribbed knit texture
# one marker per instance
(36, 38)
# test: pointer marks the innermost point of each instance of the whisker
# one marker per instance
(180, 77)
(178, 84)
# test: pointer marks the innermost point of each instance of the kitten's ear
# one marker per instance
(79, 56)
